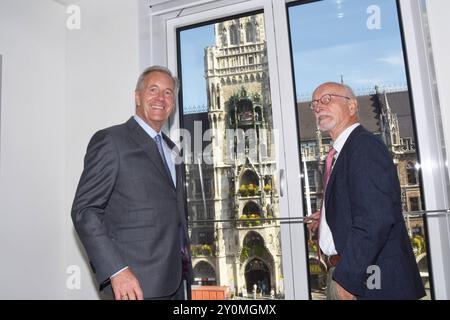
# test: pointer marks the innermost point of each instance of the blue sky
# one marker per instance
(193, 43)
(330, 38)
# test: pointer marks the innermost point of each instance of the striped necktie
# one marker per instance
(158, 141)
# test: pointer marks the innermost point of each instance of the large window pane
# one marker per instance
(230, 159)
(359, 43)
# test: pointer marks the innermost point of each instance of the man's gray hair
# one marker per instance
(348, 90)
(147, 71)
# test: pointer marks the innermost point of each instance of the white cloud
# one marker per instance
(395, 60)
(366, 81)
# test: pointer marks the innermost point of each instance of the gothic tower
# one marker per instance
(248, 250)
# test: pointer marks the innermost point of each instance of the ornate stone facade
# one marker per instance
(247, 250)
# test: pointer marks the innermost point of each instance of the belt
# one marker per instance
(333, 260)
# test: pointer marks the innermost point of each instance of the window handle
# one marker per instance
(282, 182)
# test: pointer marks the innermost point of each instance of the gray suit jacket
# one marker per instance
(127, 212)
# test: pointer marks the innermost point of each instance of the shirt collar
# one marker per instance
(150, 131)
(340, 141)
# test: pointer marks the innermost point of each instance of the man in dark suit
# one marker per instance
(128, 210)
(362, 232)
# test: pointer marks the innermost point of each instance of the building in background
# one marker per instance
(236, 181)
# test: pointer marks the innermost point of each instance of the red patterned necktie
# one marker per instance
(328, 165)
(326, 177)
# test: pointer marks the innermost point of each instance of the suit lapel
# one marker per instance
(339, 162)
(149, 147)
(335, 169)
(179, 186)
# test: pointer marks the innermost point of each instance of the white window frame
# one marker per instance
(294, 264)
(170, 15)
(429, 136)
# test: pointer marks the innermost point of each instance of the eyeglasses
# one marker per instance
(325, 100)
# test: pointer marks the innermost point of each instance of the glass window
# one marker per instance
(226, 112)
(358, 43)
(411, 173)
(249, 32)
(312, 180)
(414, 204)
(234, 37)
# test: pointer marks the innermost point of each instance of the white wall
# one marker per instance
(102, 69)
(59, 87)
(437, 11)
(32, 42)
(438, 21)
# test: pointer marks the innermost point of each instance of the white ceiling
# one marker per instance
(66, 2)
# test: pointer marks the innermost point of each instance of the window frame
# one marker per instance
(292, 236)
(162, 49)
(434, 173)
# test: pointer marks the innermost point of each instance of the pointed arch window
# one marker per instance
(234, 39)
(224, 37)
(250, 32)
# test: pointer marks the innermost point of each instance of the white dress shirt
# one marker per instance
(167, 151)
(326, 241)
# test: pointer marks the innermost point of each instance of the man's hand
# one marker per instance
(126, 286)
(344, 294)
(313, 221)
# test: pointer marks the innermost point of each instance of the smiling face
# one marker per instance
(155, 99)
(339, 114)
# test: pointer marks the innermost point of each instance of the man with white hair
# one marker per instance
(361, 226)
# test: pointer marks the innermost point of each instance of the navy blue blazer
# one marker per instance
(364, 212)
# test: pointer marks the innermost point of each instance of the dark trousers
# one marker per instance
(180, 294)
